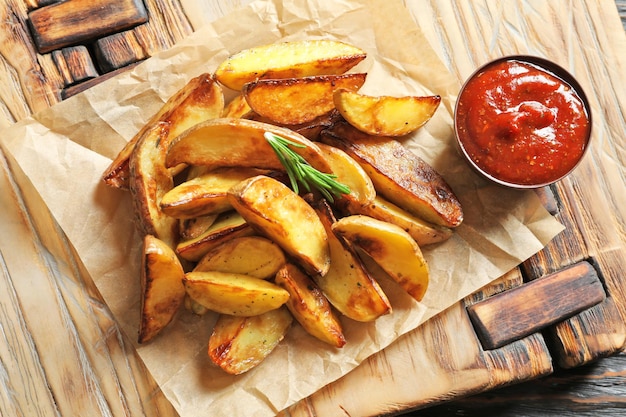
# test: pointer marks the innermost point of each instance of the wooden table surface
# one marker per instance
(94, 383)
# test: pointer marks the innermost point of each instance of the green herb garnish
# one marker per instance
(301, 172)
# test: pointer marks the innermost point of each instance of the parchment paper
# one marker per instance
(65, 149)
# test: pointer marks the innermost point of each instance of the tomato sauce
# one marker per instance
(521, 124)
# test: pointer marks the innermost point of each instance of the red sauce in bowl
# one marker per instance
(521, 124)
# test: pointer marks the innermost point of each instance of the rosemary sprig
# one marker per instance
(300, 172)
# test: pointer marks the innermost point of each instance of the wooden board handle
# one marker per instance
(527, 309)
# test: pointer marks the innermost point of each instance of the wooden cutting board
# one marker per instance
(49, 296)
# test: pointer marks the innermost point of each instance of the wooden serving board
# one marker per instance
(48, 299)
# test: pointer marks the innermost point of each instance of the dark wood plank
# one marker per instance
(593, 390)
(72, 22)
(167, 24)
(525, 310)
(74, 64)
(118, 50)
(77, 88)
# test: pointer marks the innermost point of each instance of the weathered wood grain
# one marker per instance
(80, 87)
(74, 64)
(64, 353)
(30, 81)
(536, 305)
(71, 22)
(593, 390)
(118, 50)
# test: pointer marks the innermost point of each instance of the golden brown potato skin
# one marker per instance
(309, 306)
(227, 226)
(162, 287)
(148, 181)
(205, 194)
(385, 115)
(288, 60)
(234, 294)
(348, 285)
(350, 173)
(277, 212)
(238, 344)
(392, 248)
(298, 100)
(310, 130)
(423, 232)
(200, 99)
(231, 142)
(249, 255)
(399, 175)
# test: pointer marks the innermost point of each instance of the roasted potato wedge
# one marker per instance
(238, 344)
(288, 60)
(348, 284)
(399, 175)
(249, 255)
(275, 211)
(204, 194)
(161, 287)
(195, 307)
(237, 108)
(192, 228)
(385, 115)
(149, 180)
(227, 226)
(393, 249)
(298, 100)
(310, 130)
(200, 99)
(309, 306)
(229, 142)
(350, 173)
(234, 294)
(423, 232)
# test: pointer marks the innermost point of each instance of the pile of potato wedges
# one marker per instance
(224, 230)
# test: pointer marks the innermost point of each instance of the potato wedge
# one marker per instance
(275, 211)
(350, 173)
(161, 287)
(288, 60)
(348, 285)
(310, 130)
(234, 294)
(192, 228)
(385, 115)
(229, 142)
(195, 307)
(237, 108)
(423, 232)
(298, 100)
(227, 226)
(204, 194)
(238, 344)
(249, 255)
(393, 249)
(200, 99)
(149, 180)
(309, 306)
(399, 175)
